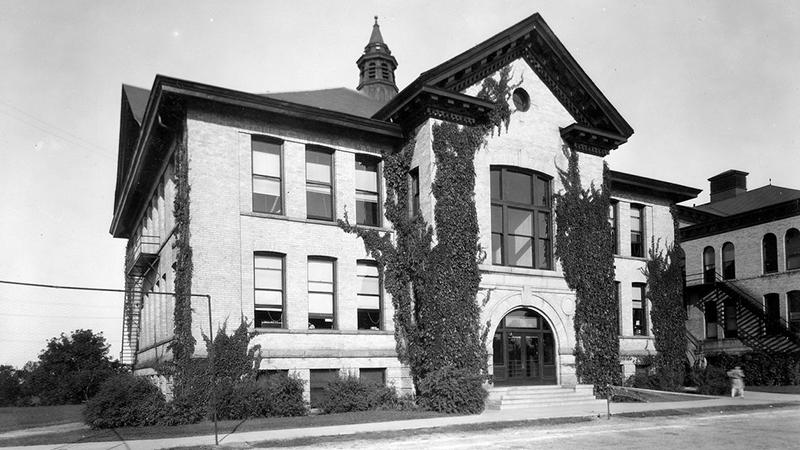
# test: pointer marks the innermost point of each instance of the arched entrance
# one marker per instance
(524, 349)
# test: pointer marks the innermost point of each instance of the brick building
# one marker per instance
(742, 253)
(266, 177)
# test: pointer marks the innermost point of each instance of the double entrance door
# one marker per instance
(524, 358)
(524, 350)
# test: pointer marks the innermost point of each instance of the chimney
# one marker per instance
(728, 184)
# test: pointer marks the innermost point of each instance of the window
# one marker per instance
(792, 249)
(369, 296)
(711, 319)
(318, 382)
(268, 287)
(639, 310)
(709, 265)
(414, 176)
(319, 188)
(770, 253)
(794, 310)
(728, 261)
(772, 307)
(367, 194)
(731, 328)
(637, 231)
(267, 188)
(520, 219)
(612, 221)
(321, 289)
(373, 376)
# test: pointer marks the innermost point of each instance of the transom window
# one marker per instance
(267, 188)
(637, 231)
(368, 296)
(268, 286)
(520, 218)
(319, 186)
(321, 293)
(639, 309)
(367, 193)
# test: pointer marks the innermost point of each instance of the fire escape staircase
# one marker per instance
(755, 329)
(141, 257)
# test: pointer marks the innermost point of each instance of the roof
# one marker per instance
(137, 99)
(340, 99)
(533, 40)
(750, 200)
(375, 37)
(635, 183)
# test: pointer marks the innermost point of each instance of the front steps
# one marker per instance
(522, 397)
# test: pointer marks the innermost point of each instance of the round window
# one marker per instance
(521, 99)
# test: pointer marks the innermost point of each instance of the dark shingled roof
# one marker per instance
(137, 98)
(341, 100)
(751, 200)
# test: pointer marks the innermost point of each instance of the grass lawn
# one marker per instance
(38, 416)
(207, 428)
(775, 389)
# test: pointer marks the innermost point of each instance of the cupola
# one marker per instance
(376, 68)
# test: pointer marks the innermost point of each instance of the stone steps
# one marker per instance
(519, 397)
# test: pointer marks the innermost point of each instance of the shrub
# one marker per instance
(761, 369)
(351, 394)
(711, 380)
(125, 401)
(451, 390)
(284, 396)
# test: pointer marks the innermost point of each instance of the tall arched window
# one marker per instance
(728, 261)
(770, 253)
(772, 307)
(709, 265)
(792, 249)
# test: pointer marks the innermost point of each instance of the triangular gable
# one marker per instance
(535, 42)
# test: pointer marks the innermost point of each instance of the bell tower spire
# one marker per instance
(376, 68)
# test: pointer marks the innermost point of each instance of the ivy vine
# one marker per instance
(584, 246)
(665, 292)
(434, 287)
(182, 346)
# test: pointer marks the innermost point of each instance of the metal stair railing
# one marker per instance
(729, 287)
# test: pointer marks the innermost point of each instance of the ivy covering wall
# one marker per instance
(183, 344)
(584, 246)
(668, 315)
(434, 287)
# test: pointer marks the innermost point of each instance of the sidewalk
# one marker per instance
(492, 416)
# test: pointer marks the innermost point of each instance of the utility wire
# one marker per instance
(50, 127)
(60, 316)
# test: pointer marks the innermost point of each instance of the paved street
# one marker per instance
(777, 428)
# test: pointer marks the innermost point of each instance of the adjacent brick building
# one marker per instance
(742, 254)
(268, 175)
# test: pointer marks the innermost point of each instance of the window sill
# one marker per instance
(328, 223)
(632, 258)
(638, 337)
(323, 331)
(519, 270)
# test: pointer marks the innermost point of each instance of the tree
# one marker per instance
(71, 368)
(10, 385)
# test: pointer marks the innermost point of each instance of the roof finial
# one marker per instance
(376, 20)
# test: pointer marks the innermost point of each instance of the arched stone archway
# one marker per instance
(524, 344)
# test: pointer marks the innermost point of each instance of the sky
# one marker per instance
(706, 85)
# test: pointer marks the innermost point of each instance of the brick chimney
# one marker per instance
(728, 184)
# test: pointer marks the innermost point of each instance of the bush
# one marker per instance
(351, 394)
(284, 396)
(761, 369)
(450, 390)
(711, 380)
(125, 401)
